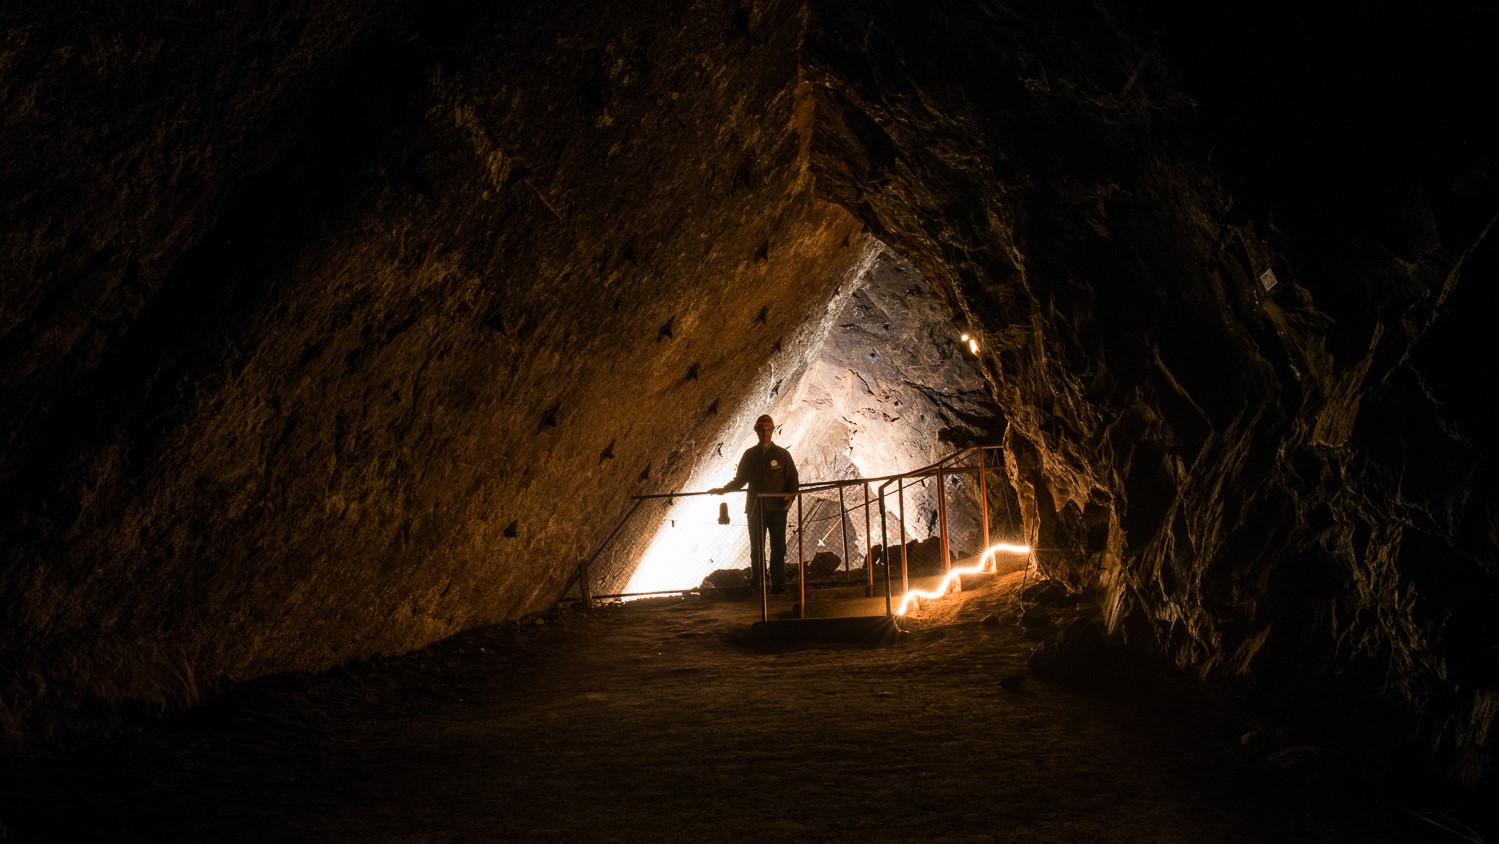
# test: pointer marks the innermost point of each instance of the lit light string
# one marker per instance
(947, 580)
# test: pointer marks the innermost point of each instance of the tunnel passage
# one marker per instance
(331, 333)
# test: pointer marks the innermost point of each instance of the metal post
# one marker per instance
(843, 523)
(868, 545)
(583, 585)
(942, 522)
(900, 499)
(984, 496)
(801, 557)
(885, 552)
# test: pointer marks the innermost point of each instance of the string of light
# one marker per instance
(985, 559)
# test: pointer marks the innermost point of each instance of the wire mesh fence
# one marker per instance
(682, 542)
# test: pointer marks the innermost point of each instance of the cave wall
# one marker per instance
(321, 327)
(896, 389)
(1282, 485)
(334, 331)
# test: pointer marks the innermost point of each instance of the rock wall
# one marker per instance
(331, 333)
(884, 386)
(1237, 414)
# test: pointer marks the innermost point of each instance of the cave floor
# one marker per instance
(662, 721)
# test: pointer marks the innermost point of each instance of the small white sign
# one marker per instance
(1268, 280)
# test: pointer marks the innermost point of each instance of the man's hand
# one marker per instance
(718, 490)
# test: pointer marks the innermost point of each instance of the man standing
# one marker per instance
(766, 468)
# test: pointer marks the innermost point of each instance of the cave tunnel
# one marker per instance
(335, 336)
(859, 405)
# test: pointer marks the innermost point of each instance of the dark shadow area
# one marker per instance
(652, 721)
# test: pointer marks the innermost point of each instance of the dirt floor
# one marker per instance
(668, 721)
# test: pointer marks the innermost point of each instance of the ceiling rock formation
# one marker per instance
(334, 332)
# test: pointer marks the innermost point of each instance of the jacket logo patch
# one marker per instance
(775, 464)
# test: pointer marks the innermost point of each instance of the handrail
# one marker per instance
(817, 486)
(934, 466)
(942, 466)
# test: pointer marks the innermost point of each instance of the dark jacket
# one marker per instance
(765, 469)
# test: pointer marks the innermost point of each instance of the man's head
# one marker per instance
(764, 427)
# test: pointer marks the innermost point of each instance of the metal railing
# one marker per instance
(825, 514)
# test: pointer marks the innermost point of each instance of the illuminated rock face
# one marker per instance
(896, 389)
(895, 371)
(335, 334)
(332, 337)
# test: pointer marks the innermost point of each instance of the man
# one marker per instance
(766, 468)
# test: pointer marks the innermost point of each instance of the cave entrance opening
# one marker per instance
(893, 385)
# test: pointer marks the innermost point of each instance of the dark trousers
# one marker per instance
(774, 522)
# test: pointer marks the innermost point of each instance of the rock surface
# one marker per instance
(334, 332)
(1247, 436)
